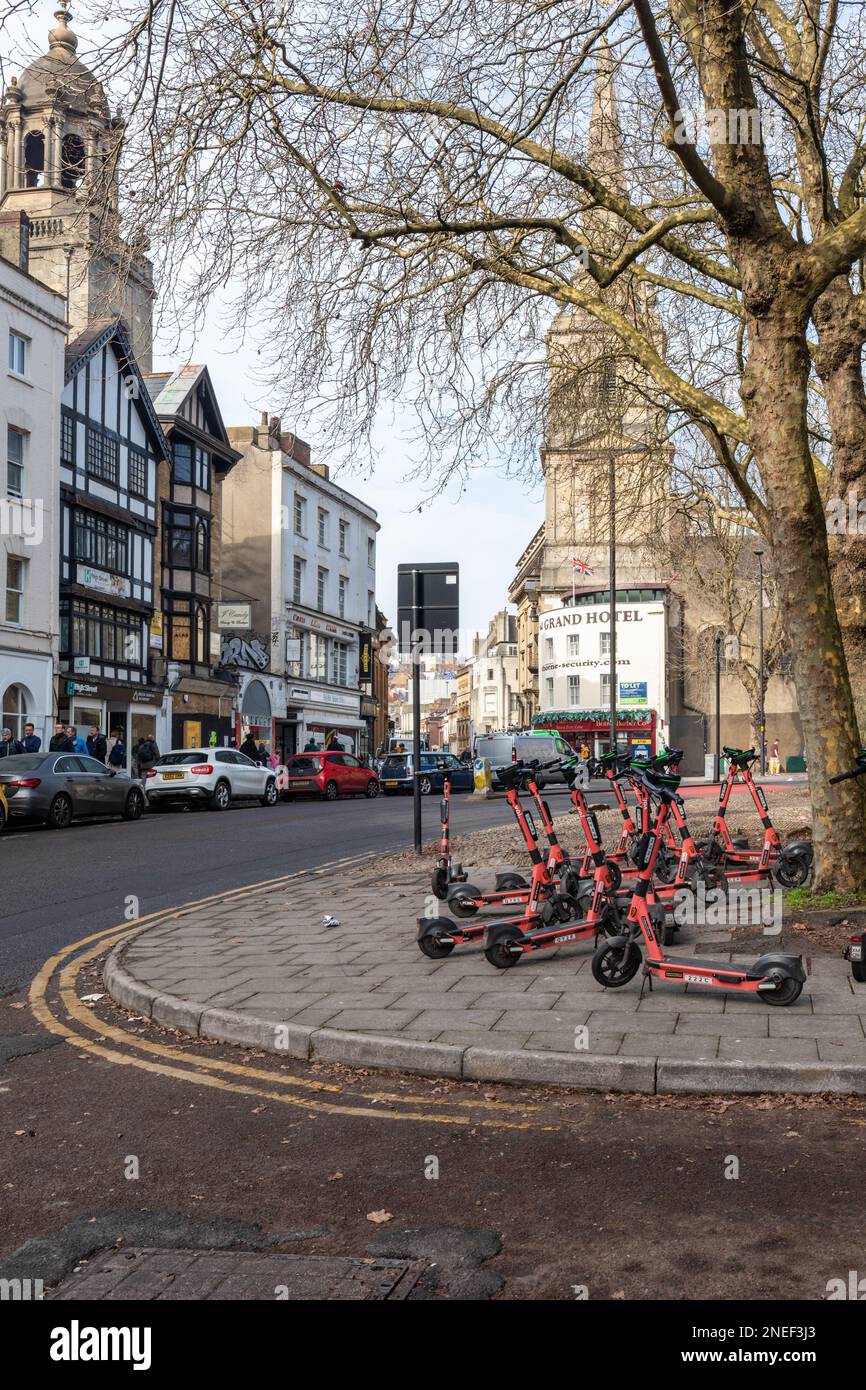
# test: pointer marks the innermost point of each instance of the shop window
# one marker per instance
(100, 631)
(72, 161)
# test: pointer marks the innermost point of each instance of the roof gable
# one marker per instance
(111, 332)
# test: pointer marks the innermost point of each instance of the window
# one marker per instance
(340, 664)
(179, 539)
(14, 589)
(318, 657)
(14, 462)
(137, 478)
(100, 631)
(574, 644)
(605, 644)
(300, 515)
(605, 688)
(371, 551)
(72, 161)
(550, 690)
(297, 580)
(15, 712)
(101, 543)
(548, 648)
(202, 546)
(344, 537)
(67, 439)
(18, 353)
(182, 462)
(34, 159)
(321, 586)
(202, 469)
(323, 526)
(574, 692)
(371, 609)
(341, 598)
(186, 631)
(490, 673)
(101, 456)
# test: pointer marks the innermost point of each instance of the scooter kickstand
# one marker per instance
(646, 977)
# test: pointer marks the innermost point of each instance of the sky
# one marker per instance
(485, 529)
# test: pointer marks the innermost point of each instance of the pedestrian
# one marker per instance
(775, 757)
(261, 755)
(146, 754)
(78, 744)
(97, 745)
(9, 746)
(584, 752)
(212, 741)
(31, 742)
(117, 756)
(249, 749)
(60, 741)
(311, 746)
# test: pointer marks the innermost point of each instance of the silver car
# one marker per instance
(57, 788)
(211, 777)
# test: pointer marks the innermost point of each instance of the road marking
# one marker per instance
(220, 1074)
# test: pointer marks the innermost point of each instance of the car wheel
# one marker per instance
(59, 813)
(221, 797)
(372, 788)
(331, 791)
(270, 796)
(425, 786)
(134, 805)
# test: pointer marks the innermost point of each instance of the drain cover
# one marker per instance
(198, 1275)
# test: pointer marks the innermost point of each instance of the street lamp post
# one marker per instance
(760, 557)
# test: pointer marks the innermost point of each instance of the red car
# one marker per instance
(330, 775)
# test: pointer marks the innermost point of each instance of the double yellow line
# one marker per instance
(55, 1002)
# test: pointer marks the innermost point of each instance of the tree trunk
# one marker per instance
(774, 392)
(837, 318)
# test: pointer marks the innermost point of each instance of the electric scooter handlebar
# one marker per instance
(857, 771)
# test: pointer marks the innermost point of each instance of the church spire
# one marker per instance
(62, 36)
(605, 144)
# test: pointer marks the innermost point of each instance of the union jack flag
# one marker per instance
(581, 567)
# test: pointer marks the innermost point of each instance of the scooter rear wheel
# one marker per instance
(614, 966)
(787, 993)
(615, 874)
(434, 947)
(858, 970)
(461, 903)
(792, 872)
(665, 867)
(499, 954)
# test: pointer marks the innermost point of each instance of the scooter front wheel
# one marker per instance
(858, 970)
(434, 947)
(439, 883)
(788, 992)
(792, 872)
(614, 966)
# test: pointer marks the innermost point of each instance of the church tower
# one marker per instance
(59, 155)
(599, 399)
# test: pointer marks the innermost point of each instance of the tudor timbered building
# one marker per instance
(111, 449)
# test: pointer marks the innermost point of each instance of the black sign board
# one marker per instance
(365, 658)
(428, 607)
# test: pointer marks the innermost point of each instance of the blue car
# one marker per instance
(395, 774)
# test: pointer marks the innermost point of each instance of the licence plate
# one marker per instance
(392, 784)
(857, 951)
(172, 776)
(300, 782)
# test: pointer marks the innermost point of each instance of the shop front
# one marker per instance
(324, 718)
(118, 711)
(636, 730)
(203, 713)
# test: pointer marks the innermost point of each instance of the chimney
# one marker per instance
(15, 238)
(296, 448)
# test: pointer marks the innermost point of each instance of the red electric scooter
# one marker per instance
(790, 864)
(777, 977)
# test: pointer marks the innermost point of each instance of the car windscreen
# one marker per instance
(182, 759)
(300, 766)
(22, 762)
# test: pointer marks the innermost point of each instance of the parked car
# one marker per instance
(503, 749)
(396, 773)
(58, 788)
(4, 810)
(330, 775)
(213, 777)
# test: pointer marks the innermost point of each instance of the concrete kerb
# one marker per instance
(578, 1070)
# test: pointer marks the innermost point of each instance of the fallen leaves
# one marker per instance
(380, 1217)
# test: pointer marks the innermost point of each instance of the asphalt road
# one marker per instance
(57, 886)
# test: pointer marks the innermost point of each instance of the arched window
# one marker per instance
(72, 162)
(201, 547)
(15, 710)
(200, 636)
(34, 159)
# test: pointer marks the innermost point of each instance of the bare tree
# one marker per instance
(400, 195)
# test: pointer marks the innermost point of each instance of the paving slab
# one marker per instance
(265, 973)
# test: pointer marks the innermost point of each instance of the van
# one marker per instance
(504, 749)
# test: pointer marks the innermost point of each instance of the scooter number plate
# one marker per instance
(695, 979)
(857, 952)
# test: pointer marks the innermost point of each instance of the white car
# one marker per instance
(213, 777)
